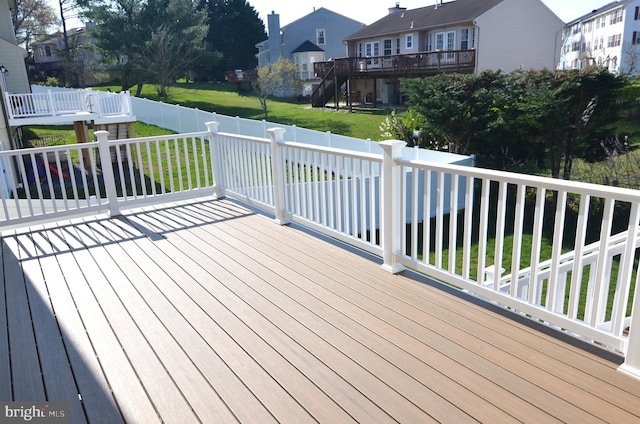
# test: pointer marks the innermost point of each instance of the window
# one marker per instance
(616, 17)
(634, 39)
(575, 46)
(360, 50)
(446, 40)
(397, 46)
(372, 49)
(603, 21)
(601, 43)
(409, 41)
(614, 40)
(464, 39)
(473, 39)
(429, 42)
(587, 26)
(440, 41)
(387, 49)
(47, 50)
(451, 40)
(637, 15)
(321, 37)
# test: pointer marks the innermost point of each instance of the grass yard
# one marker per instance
(223, 99)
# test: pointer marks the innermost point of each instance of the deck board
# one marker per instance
(209, 312)
(27, 384)
(60, 385)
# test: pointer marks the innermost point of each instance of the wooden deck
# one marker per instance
(209, 312)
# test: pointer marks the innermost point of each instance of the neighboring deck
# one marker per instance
(209, 312)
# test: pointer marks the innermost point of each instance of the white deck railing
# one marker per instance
(67, 102)
(523, 242)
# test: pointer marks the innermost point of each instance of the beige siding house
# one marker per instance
(13, 72)
(518, 34)
(454, 36)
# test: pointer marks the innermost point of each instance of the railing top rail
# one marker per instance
(342, 152)
(623, 194)
(159, 137)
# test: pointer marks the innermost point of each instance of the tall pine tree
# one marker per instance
(234, 30)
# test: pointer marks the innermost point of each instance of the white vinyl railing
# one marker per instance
(526, 243)
(54, 103)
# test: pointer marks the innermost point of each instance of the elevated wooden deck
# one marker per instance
(209, 312)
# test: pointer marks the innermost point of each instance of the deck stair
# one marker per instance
(328, 88)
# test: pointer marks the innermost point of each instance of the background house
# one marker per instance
(77, 66)
(315, 37)
(13, 73)
(476, 34)
(609, 36)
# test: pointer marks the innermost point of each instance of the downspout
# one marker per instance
(477, 47)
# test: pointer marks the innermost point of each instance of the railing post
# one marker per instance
(390, 208)
(216, 163)
(51, 100)
(631, 365)
(279, 178)
(107, 172)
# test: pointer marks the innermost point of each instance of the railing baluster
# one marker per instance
(578, 264)
(483, 230)
(453, 221)
(536, 245)
(518, 231)
(602, 271)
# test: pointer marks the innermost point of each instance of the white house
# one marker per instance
(608, 36)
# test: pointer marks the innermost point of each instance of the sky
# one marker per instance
(369, 11)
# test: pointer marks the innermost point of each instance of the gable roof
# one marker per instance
(427, 17)
(307, 46)
(319, 11)
(598, 11)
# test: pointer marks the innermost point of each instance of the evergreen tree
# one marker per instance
(234, 30)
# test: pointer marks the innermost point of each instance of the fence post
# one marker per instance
(216, 163)
(631, 365)
(51, 101)
(279, 178)
(390, 207)
(106, 167)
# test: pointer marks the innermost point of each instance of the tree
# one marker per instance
(32, 19)
(460, 108)
(66, 6)
(279, 78)
(508, 118)
(567, 111)
(154, 41)
(234, 30)
(630, 60)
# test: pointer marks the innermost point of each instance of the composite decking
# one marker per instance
(210, 312)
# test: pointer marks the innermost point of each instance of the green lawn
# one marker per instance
(223, 99)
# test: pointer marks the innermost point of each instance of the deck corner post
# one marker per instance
(631, 365)
(216, 163)
(391, 205)
(279, 178)
(106, 165)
